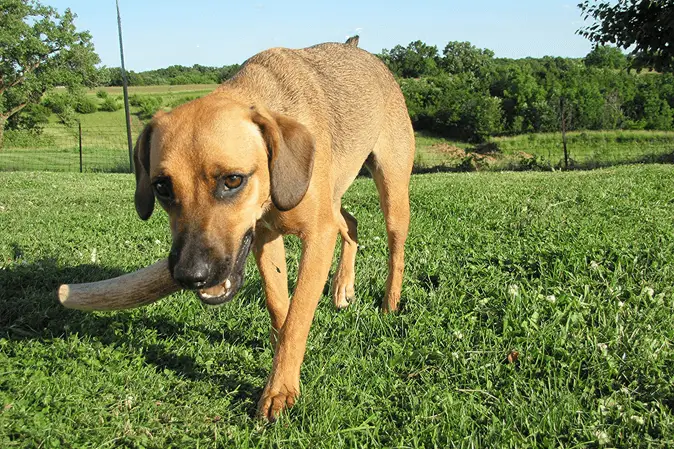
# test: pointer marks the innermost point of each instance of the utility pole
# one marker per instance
(126, 91)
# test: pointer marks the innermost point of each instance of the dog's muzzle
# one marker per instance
(227, 289)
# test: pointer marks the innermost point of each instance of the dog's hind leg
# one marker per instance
(391, 167)
(343, 282)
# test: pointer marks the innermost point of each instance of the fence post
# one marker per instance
(79, 126)
(566, 152)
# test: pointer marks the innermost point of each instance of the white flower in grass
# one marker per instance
(638, 419)
(514, 290)
(649, 292)
(458, 335)
(551, 299)
(602, 437)
(594, 265)
(94, 256)
(157, 242)
(603, 347)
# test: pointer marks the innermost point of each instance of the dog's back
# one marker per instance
(346, 96)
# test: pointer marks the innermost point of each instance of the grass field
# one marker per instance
(573, 270)
(594, 148)
(104, 139)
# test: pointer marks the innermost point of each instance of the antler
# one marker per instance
(136, 289)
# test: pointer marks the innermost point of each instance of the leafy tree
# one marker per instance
(606, 57)
(462, 57)
(39, 49)
(415, 60)
(645, 25)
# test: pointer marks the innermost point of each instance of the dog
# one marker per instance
(271, 152)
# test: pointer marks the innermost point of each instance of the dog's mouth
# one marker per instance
(226, 290)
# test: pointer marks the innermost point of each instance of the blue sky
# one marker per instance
(159, 33)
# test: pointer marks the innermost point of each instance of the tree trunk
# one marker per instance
(3, 120)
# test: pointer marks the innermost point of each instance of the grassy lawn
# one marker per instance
(573, 270)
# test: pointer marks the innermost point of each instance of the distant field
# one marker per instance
(572, 271)
(593, 148)
(182, 88)
(104, 134)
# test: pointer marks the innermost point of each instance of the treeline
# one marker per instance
(466, 93)
(173, 75)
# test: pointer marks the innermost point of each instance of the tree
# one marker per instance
(415, 60)
(647, 26)
(462, 57)
(39, 49)
(606, 57)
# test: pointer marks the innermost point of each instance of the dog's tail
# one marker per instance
(352, 41)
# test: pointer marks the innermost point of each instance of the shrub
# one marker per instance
(175, 102)
(148, 106)
(102, 94)
(32, 117)
(134, 100)
(85, 105)
(27, 138)
(110, 105)
(59, 102)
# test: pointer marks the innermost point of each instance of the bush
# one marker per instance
(102, 94)
(85, 105)
(58, 103)
(110, 105)
(32, 117)
(135, 99)
(175, 102)
(148, 106)
(27, 138)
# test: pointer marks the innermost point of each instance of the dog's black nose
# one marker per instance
(194, 276)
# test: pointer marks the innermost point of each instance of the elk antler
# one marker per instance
(136, 289)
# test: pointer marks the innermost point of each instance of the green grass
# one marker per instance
(594, 148)
(571, 269)
(104, 134)
(159, 90)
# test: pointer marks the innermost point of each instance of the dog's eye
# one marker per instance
(162, 188)
(229, 185)
(233, 181)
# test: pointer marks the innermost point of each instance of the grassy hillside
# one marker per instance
(572, 271)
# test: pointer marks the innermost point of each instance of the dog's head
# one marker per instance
(217, 166)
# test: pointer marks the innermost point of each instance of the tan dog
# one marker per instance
(271, 152)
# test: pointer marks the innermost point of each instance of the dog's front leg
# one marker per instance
(283, 386)
(270, 256)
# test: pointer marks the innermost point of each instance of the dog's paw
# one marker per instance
(343, 290)
(274, 401)
(390, 303)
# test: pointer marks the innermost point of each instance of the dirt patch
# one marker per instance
(449, 150)
(525, 155)
(485, 158)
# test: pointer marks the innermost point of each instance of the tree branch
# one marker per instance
(13, 111)
(20, 78)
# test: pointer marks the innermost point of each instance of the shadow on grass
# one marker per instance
(29, 310)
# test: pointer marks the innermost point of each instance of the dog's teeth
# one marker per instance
(228, 284)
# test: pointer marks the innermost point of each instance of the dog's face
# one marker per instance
(216, 166)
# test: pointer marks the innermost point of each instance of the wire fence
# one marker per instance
(90, 148)
(68, 149)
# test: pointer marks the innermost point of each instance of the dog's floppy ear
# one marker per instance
(144, 196)
(291, 149)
